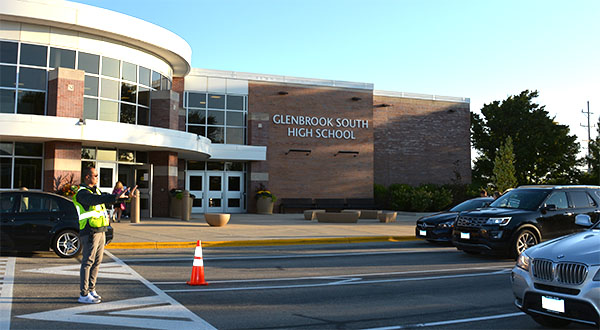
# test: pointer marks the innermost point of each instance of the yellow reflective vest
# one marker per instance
(96, 215)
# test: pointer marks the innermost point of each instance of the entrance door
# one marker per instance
(214, 192)
(107, 176)
(195, 184)
(143, 179)
(234, 201)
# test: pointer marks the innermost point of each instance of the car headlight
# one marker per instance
(597, 276)
(524, 261)
(447, 224)
(498, 221)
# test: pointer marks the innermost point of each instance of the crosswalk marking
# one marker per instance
(107, 270)
(7, 273)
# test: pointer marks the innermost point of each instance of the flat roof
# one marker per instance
(422, 96)
(104, 23)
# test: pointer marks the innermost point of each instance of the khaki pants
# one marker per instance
(93, 250)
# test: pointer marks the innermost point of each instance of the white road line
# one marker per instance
(7, 279)
(346, 275)
(338, 283)
(289, 256)
(440, 323)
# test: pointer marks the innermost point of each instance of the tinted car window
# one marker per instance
(559, 199)
(30, 204)
(470, 205)
(581, 199)
(521, 199)
(7, 203)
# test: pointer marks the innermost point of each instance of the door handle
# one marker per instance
(597, 211)
(568, 214)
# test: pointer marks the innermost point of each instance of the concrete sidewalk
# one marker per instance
(256, 229)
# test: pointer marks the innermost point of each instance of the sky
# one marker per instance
(483, 50)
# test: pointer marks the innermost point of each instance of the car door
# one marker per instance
(556, 215)
(36, 216)
(8, 206)
(582, 203)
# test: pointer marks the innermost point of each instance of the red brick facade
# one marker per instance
(421, 141)
(62, 164)
(165, 179)
(324, 172)
(164, 110)
(65, 93)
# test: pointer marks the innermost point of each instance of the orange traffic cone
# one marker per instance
(198, 268)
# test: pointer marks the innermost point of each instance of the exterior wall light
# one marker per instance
(307, 151)
(356, 98)
(353, 153)
(283, 93)
(383, 105)
(80, 122)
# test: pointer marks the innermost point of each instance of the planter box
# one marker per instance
(346, 217)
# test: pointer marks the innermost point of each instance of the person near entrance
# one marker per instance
(93, 223)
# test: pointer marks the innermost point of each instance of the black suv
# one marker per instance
(523, 217)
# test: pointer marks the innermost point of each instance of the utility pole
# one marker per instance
(589, 139)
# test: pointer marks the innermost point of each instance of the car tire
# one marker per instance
(66, 244)
(524, 239)
(550, 322)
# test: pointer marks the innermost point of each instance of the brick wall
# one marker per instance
(323, 173)
(179, 87)
(165, 179)
(62, 164)
(164, 109)
(65, 93)
(421, 141)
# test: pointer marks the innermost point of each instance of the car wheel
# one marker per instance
(525, 239)
(550, 322)
(67, 244)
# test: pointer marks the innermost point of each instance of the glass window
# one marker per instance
(110, 67)
(31, 103)
(106, 176)
(6, 148)
(7, 101)
(197, 129)
(62, 58)
(233, 183)
(165, 84)
(127, 114)
(126, 156)
(109, 89)
(215, 117)
(196, 183)
(144, 76)
(141, 157)
(215, 166)
(144, 96)
(109, 110)
(196, 100)
(89, 63)
(28, 173)
(33, 54)
(129, 72)
(580, 199)
(88, 153)
(91, 86)
(235, 118)
(215, 134)
(5, 172)
(29, 149)
(196, 116)
(235, 135)
(216, 101)
(233, 202)
(156, 80)
(32, 78)
(128, 92)
(8, 76)
(8, 52)
(235, 166)
(106, 154)
(195, 165)
(90, 108)
(559, 199)
(143, 116)
(235, 102)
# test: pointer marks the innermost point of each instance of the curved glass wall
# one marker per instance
(219, 117)
(115, 90)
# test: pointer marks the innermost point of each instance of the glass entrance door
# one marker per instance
(234, 201)
(143, 179)
(195, 184)
(107, 176)
(214, 192)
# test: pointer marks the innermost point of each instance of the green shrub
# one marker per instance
(421, 199)
(400, 196)
(381, 196)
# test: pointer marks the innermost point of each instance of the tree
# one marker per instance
(504, 167)
(543, 149)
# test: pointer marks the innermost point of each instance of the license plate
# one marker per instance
(465, 235)
(553, 304)
(423, 232)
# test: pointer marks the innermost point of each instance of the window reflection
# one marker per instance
(128, 92)
(88, 63)
(62, 58)
(8, 52)
(109, 89)
(33, 54)
(91, 86)
(8, 76)
(128, 113)
(90, 108)
(31, 103)
(109, 110)
(32, 78)
(110, 67)
(215, 134)
(216, 101)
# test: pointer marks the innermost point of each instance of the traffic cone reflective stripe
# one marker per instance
(198, 267)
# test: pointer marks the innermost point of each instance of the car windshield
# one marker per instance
(470, 205)
(521, 199)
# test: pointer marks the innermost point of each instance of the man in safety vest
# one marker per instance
(93, 223)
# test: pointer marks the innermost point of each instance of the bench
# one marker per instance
(360, 203)
(330, 204)
(387, 217)
(311, 214)
(367, 214)
(331, 217)
(295, 203)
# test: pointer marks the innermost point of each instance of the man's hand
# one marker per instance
(127, 192)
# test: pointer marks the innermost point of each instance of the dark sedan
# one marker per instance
(438, 227)
(36, 221)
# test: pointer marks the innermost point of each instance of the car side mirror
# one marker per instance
(583, 220)
(550, 207)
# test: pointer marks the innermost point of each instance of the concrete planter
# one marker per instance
(217, 219)
(264, 205)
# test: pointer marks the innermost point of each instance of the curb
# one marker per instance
(267, 242)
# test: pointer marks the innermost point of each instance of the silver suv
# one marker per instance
(558, 282)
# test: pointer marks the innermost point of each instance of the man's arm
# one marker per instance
(86, 198)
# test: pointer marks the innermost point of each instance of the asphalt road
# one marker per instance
(355, 286)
